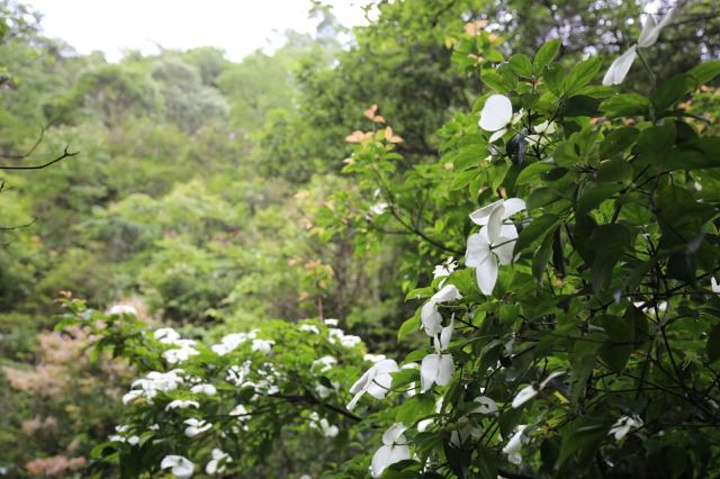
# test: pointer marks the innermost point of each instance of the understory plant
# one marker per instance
(570, 329)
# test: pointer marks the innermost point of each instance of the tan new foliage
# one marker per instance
(54, 466)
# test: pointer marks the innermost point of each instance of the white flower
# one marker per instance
(430, 315)
(218, 456)
(496, 116)
(120, 309)
(651, 29)
(529, 392)
(439, 367)
(132, 396)
(240, 411)
(373, 358)
(317, 423)
(394, 449)
(376, 381)
(379, 208)
(309, 328)
(181, 404)
(205, 388)
(445, 269)
(174, 356)
(181, 467)
(487, 405)
(133, 440)
(542, 130)
(436, 369)
(237, 374)
(196, 426)
(512, 448)
(649, 35)
(620, 67)
(350, 340)
(331, 322)
(232, 341)
(324, 364)
(714, 285)
(623, 425)
(495, 242)
(262, 345)
(166, 335)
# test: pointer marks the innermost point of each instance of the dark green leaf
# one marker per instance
(581, 75)
(618, 140)
(627, 104)
(534, 231)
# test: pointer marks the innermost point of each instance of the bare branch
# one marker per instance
(65, 154)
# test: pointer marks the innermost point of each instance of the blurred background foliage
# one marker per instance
(199, 194)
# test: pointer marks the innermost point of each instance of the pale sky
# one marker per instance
(237, 26)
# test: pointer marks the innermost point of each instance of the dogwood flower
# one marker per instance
(309, 328)
(512, 448)
(166, 335)
(196, 426)
(263, 345)
(175, 356)
(714, 285)
(623, 425)
(232, 341)
(323, 364)
(494, 244)
(529, 392)
(218, 457)
(181, 404)
(445, 268)
(180, 466)
(621, 66)
(376, 381)
(487, 405)
(394, 449)
(120, 309)
(542, 132)
(496, 115)
(322, 424)
(205, 388)
(429, 314)
(438, 368)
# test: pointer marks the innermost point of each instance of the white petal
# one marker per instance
(512, 206)
(714, 285)
(387, 455)
(394, 434)
(651, 29)
(446, 368)
(447, 293)
(480, 217)
(525, 394)
(445, 336)
(550, 378)
(386, 366)
(496, 113)
(497, 135)
(620, 67)
(504, 249)
(495, 223)
(429, 369)
(478, 250)
(380, 386)
(487, 273)
(487, 405)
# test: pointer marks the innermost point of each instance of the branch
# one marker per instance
(65, 154)
(29, 152)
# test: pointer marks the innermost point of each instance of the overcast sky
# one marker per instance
(237, 26)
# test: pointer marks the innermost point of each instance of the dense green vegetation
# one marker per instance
(520, 249)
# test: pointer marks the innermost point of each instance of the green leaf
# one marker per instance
(671, 91)
(616, 352)
(494, 80)
(618, 140)
(534, 231)
(533, 171)
(713, 344)
(553, 76)
(613, 171)
(657, 139)
(542, 256)
(627, 104)
(546, 54)
(582, 438)
(608, 242)
(581, 75)
(408, 326)
(697, 154)
(705, 72)
(521, 65)
(594, 195)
